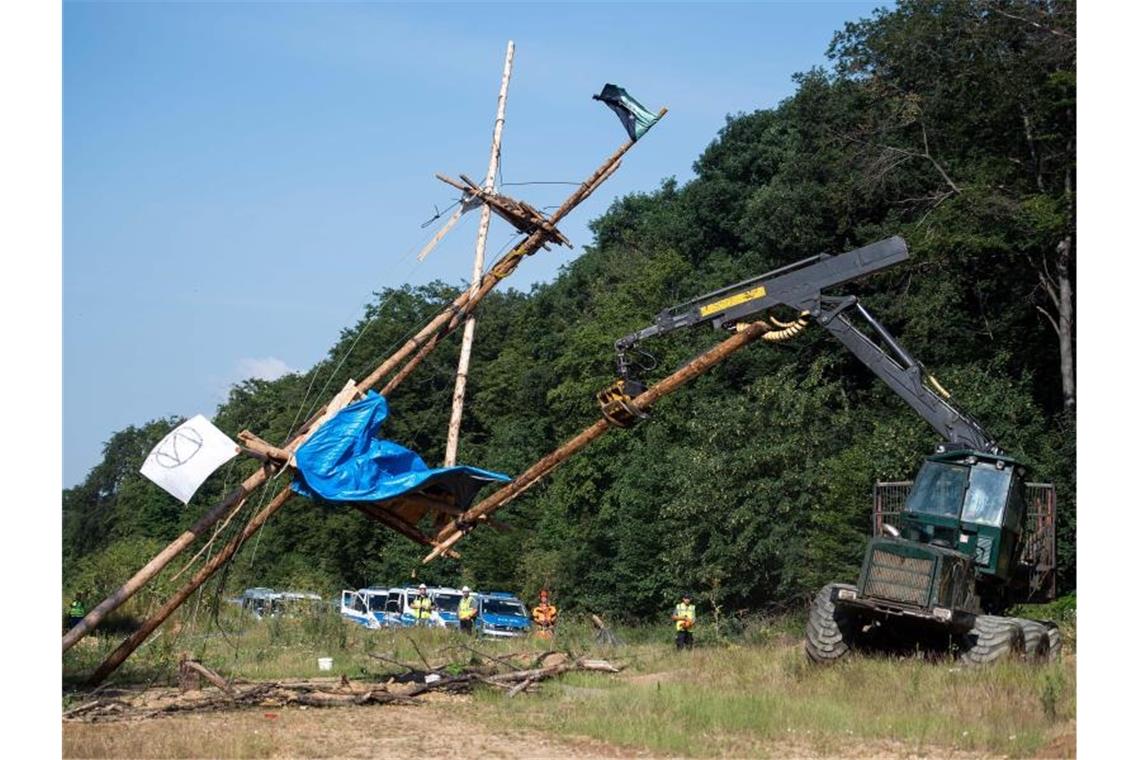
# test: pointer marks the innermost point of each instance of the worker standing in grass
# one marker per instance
(685, 615)
(467, 612)
(545, 616)
(75, 613)
(422, 607)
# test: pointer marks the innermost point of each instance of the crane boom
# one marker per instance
(800, 286)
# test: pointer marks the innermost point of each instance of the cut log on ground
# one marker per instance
(330, 692)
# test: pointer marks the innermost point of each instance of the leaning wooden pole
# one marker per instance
(452, 450)
(422, 342)
(230, 504)
(124, 650)
(450, 534)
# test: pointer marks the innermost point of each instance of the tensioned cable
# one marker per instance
(360, 333)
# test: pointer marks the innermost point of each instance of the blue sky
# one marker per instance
(239, 178)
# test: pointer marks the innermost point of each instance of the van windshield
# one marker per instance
(503, 607)
(447, 602)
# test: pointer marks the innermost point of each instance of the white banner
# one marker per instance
(189, 454)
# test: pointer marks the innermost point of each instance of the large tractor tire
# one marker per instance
(1053, 634)
(831, 631)
(1036, 637)
(992, 639)
(1042, 640)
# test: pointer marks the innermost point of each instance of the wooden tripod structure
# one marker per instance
(540, 230)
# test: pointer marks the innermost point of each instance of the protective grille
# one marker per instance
(900, 579)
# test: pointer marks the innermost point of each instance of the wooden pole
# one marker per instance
(231, 503)
(442, 231)
(451, 533)
(124, 650)
(477, 271)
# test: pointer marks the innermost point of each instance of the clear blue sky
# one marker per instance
(239, 178)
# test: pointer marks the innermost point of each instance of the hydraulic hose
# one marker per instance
(788, 329)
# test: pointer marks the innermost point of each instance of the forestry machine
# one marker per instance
(960, 554)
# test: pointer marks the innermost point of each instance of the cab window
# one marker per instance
(986, 495)
(938, 489)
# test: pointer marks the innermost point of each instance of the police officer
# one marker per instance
(75, 613)
(545, 616)
(467, 612)
(685, 615)
(422, 607)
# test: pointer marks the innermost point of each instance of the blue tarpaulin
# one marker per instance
(345, 461)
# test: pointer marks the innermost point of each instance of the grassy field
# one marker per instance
(750, 694)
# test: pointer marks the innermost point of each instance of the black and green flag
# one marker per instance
(636, 118)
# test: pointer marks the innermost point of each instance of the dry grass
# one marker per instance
(754, 696)
(734, 700)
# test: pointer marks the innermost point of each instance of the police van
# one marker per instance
(365, 606)
(502, 615)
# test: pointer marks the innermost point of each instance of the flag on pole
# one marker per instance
(189, 454)
(636, 118)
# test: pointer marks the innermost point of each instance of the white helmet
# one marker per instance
(423, 587)
(466, 589)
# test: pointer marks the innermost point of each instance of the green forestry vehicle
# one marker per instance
(966, 543)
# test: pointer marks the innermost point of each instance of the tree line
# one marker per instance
(950, 123)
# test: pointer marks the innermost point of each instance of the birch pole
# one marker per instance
(477, 271)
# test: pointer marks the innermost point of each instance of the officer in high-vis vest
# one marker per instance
(422, 607)
(685, 615)
(75, 613)
(545, 616)
(467, 612)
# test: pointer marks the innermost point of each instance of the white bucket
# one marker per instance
(324, 663)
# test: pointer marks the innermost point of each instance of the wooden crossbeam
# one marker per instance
(522, 216)
(388, 519)
(262, 449)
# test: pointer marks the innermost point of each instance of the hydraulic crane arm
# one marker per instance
(799, 286)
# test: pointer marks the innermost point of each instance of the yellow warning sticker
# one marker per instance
(739, 298)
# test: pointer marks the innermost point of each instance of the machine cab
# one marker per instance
(971, 502)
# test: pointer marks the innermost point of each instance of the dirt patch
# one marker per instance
(1063, 744)
(432, 729)
(652, 678)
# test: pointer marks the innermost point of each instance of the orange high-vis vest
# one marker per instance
(545, 614)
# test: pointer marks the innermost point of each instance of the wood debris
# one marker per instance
(497, 671)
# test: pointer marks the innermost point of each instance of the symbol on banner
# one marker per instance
(178, 448)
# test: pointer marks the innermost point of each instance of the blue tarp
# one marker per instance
(345, 461)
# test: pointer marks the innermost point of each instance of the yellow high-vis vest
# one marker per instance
(685, 612)
(421, 608)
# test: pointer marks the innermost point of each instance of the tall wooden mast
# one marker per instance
(477, 272)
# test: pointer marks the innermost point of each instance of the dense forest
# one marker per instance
(950, 123)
